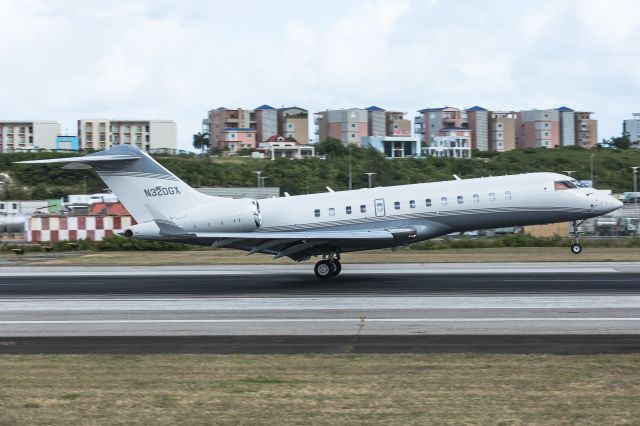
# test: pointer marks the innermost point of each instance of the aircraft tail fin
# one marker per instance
(143, 185)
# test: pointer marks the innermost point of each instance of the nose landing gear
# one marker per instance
(576, 248)
(328, 267)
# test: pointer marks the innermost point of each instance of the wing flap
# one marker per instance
(377, 234)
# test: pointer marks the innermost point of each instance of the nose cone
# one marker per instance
(609, 204)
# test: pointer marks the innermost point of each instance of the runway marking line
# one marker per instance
(291, 320)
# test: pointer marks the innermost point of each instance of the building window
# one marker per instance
(476, 198)
(348, 210)
(412, 204)
(1, 206)
(14, 206)
(460, 199)
(492, 196)
(332, 211)
(428, 202)
(363, 208)
(443, 201)
(396, 205)
(103, 137)
(316, 212)
(546, 124)
(353, 135)
(507, 195)
(353, 125)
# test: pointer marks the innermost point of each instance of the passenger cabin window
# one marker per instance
(396, 205)
(412, 204)
(492, 196)
(476, 198)
(363, 208)
(428, 202)
(560, 185)
(460, 199)
(316, 212)
(443, 201)
(348, 210)
(507, 195)
(332, 211)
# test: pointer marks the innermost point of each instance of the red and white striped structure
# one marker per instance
(42, 228)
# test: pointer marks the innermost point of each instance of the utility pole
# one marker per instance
(350, 177)
(635, 185)
(258, 173)
(369, 175)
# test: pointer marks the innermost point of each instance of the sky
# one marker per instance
(64, 60)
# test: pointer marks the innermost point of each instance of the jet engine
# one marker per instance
(241, 215)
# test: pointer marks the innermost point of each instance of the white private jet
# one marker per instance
(328, 224)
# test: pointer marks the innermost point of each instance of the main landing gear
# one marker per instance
(576, 248)
(328, 267)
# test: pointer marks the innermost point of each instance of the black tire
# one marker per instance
(336, 267)
(576, 248)
(323, 270)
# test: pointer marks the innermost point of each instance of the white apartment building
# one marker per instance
(631, 129)
(28, 135)
(148, 135)
(449, 146)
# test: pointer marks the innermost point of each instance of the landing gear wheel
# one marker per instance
(323, 270)
(336, 267)
(576, 248)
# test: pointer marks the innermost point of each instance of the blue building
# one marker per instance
(67, 143)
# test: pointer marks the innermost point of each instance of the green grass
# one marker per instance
(412, 389)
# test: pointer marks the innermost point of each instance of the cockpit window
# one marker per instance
(563, 184)
(579, 184)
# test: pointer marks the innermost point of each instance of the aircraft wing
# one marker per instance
(279, 243)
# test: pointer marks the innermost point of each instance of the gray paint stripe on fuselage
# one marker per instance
(427, 215)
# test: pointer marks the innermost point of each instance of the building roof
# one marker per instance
(476, 108)
(265, 106)
(275, 138)
(221, 109)
(239, 129)
(109, 209)
(564, 108)
(292, 107)
(374, 108)
(432, 109)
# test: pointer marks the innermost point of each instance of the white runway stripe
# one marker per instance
(313, 320)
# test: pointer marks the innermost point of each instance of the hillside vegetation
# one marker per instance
(612, 170)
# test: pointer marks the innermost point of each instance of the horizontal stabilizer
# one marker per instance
(87, 159)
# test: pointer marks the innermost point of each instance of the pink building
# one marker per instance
(236, 139)
(538, 129)
(347, 125)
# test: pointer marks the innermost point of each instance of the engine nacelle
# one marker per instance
(224, 216)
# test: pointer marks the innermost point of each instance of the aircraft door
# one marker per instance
(379, 206)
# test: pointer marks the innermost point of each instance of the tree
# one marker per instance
(621, 142)
(201, 141)
(332, 147)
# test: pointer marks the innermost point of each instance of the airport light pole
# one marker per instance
(350, 176)
(258, 173)
(635, 184)
(370, 176)
(591, 161)
(568, 172)
(262, 178)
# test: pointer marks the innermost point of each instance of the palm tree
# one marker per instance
(201, 141)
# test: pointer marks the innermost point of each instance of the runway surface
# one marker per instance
(595, 306)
